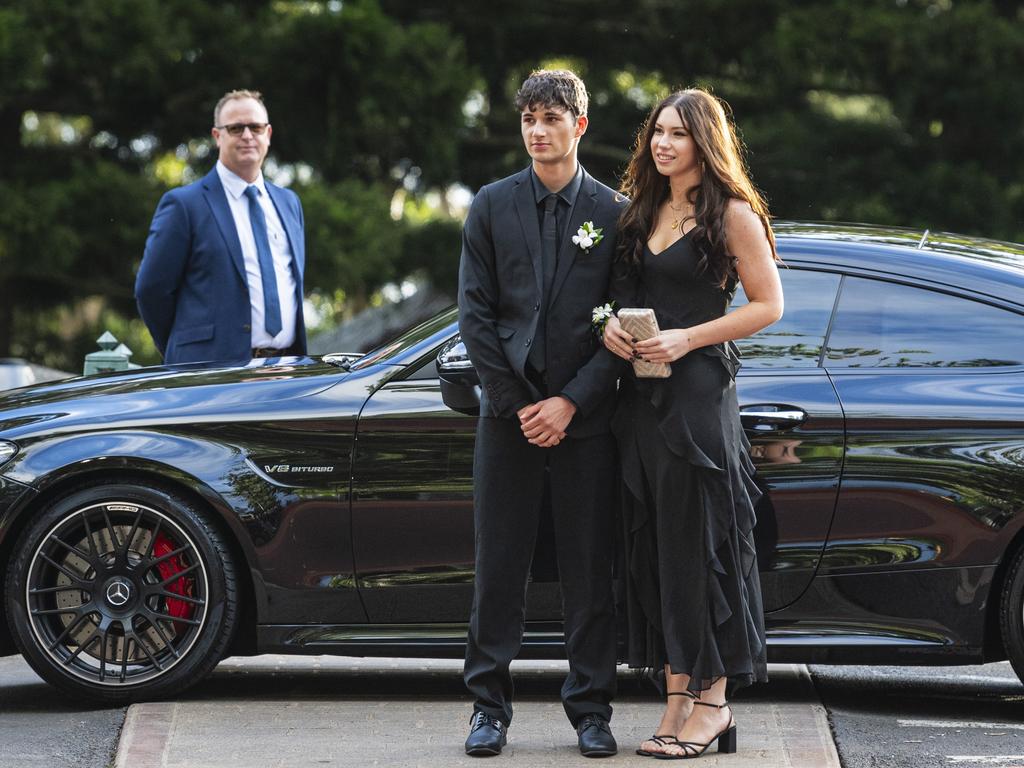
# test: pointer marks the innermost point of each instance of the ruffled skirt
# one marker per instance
(692, 590)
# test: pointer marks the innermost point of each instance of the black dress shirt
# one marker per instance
(566, 200)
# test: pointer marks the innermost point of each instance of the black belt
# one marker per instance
(274, 352)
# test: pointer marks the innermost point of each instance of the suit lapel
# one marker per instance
(217, 199)
(291, 227)
(526, 208)
(583, 211)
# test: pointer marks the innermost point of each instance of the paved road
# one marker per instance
(39, 726)
(925, 717)
(886, 717)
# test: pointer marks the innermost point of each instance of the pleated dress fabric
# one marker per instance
(692, 590)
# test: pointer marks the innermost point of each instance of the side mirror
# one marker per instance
(460, 386)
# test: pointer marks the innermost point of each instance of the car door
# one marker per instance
(412, 477)
(412, 509)
(412, 503)
(792, 417)
(932, 383)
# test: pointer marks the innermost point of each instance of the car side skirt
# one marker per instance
(439, 641)
(448, 641)
(867, 618)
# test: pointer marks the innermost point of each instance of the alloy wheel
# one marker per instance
(117, 593)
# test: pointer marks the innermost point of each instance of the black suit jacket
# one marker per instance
(500, 289)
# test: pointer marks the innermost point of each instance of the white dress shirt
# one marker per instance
(280, 250)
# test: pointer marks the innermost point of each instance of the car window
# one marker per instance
(888, 325)
(426, 370)
(411, 343)
(796, 340)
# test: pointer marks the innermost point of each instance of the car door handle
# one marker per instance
(769, 417)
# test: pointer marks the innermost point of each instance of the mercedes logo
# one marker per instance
(118, 593)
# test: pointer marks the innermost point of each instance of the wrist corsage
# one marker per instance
(599, 317)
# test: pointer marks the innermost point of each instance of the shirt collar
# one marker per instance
(568, 193)
(234, 184)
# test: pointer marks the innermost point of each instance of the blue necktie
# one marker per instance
(271, 300)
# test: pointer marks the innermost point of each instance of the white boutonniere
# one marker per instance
(599, 316)
(587, 236)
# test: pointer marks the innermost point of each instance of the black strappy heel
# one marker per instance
(662, 739)
(691, 749)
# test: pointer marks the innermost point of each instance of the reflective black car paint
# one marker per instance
(889, 511)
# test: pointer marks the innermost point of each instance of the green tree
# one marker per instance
(887, 111)
(365, 97)
(90, 90)
(904, 112)
(106, 103)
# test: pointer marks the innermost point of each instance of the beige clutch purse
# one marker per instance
(642, 324)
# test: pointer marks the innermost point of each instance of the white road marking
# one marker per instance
(959, 724)
(981, 678)
(988, 759)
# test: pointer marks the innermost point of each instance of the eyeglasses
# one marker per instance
(237, 129)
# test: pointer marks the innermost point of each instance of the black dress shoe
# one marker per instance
(486, 735)
(595, 736)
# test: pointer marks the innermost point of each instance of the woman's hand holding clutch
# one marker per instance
(616, 340)
(666, 347)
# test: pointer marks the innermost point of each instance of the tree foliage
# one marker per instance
(105, 103)
(888, 111)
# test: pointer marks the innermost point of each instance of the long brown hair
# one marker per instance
(723, 176)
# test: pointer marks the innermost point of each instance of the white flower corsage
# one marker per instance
(599, 316)
(587, 237)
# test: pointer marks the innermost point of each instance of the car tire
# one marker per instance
(122, 593)
(1011, 613)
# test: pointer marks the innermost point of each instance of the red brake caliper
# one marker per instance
(183, 586)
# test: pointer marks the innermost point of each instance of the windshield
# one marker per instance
(411, 344)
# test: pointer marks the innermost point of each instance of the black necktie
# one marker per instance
(549, 236)
(548, 257)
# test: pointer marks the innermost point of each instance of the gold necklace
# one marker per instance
(679, 219)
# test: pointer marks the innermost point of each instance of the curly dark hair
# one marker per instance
(723, 176)
(553, 88)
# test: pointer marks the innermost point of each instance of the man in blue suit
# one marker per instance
(221, 276)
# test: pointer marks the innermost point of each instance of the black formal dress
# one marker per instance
(693, 593)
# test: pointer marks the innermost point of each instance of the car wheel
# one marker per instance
(1011, 614)
(122, 593)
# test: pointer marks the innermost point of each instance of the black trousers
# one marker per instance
(508, 478)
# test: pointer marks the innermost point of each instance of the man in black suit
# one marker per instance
(528, 281)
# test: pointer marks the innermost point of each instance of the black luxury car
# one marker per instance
(153, 521)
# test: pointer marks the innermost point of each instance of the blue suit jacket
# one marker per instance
(191, 288)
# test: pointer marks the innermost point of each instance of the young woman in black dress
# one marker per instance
(694, 227)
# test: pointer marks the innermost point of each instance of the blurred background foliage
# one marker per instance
(389, 114)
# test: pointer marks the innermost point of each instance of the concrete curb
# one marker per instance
(782, 726)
